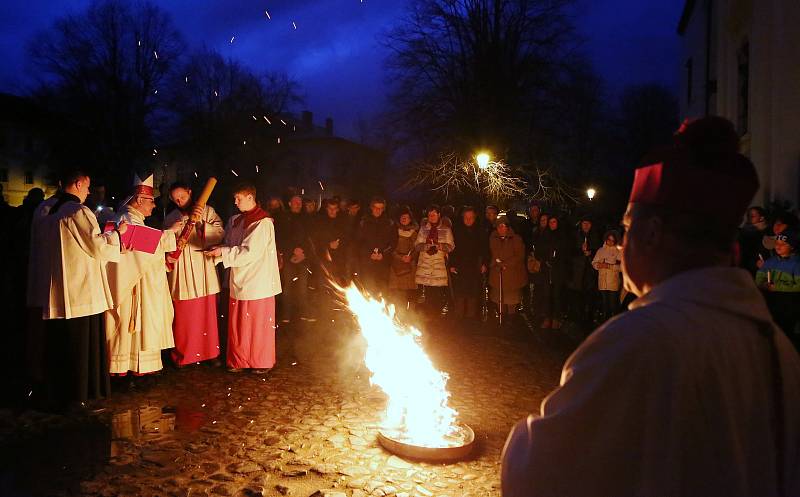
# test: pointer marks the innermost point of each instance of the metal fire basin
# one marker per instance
(461, 448)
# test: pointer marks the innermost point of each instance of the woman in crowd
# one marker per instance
(607, 261)
(507, 273)
(434, 241)
(404, 262)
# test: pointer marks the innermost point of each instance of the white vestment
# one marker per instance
(76, 253)
(195, 275)
(675, 397)
(252, 257)
(140, 324)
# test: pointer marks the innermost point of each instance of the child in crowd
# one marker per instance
(607, 262)
(779, 277)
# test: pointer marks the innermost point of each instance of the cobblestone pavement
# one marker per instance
(309, 428)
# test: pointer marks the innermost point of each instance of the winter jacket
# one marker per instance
(582, 273)
(432, 268)
(470, 254)
(375, 233)
(784, 273)
(402, 274)
(510, 251)
(608, 279)
(554, 251)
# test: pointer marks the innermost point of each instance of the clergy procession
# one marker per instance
(111, 299)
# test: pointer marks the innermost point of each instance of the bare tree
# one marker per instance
(217, 104)
(475, 73)
(107, 68)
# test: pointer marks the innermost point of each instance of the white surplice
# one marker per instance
(140, 324)
(74, 271)
(252, 257)
(195, 275)
(674, 397)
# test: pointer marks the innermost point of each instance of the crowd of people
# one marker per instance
(110, 296)
(124, 308)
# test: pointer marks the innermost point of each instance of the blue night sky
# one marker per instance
(335, 52)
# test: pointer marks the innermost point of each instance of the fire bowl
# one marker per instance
(462, 444)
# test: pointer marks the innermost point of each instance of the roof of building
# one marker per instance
(686, 15)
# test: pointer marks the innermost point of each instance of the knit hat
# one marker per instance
(790, 236)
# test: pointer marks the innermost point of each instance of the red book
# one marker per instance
(139, 238)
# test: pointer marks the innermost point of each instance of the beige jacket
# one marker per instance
(195, 275)
(608, 279)
(77, 253)
(252, 257)
(674, 397)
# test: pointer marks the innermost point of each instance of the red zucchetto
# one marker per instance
(703, 173)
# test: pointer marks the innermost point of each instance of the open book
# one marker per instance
(139, 238)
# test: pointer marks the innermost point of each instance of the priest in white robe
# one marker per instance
(139, 326)
(695, 390)
(74, 253)
(193, 281)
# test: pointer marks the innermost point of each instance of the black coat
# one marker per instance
(472, 251)
(554, 250)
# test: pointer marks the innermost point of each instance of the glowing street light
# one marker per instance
(591, 192)
(483, 160)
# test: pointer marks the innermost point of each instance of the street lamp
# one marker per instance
(591, 192)
(483, 160)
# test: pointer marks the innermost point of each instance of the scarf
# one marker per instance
(63, 198)
(251, 216)
(433, 234)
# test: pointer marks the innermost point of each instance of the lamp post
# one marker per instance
(591, 192)
(482, 159)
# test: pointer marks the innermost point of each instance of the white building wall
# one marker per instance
(772, 28)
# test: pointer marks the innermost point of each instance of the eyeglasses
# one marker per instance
(149, 199)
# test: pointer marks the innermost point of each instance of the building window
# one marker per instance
(4, 175)
(689, 78)
(743, 107)
(28, 177)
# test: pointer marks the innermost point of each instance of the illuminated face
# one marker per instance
(296, 204)
(274, 204)
(634, 259)
(782, 248)
(433, 216)
(491, 214)
(543, 220)
(779, 226)
(310, 206)
(332, 209)
(586, 226)
(405, 220)
(181, 196)
(535, 212)
(611, 240)
(553, 223)
(245, 202)
(755, 216)
(353, 210)
(469, 218)
(145, 204)
(502, 229)
(377, 208)
(82, 187)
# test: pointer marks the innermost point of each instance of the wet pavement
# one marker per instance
(309, 428)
